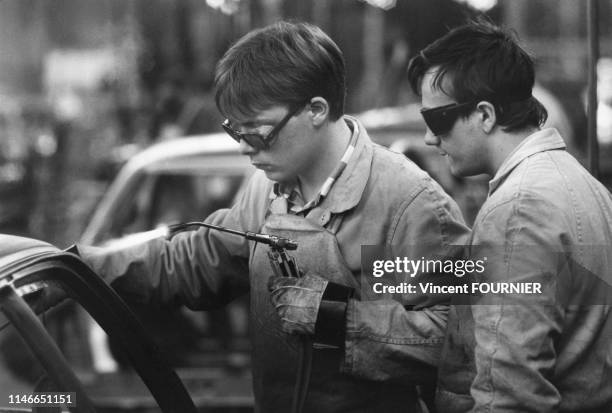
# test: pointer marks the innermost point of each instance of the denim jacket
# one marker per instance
(546, 220)
(382, 199)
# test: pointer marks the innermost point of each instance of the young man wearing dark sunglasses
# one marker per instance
(546, 221)
(324, 184)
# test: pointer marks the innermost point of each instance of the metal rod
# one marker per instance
(593, 35)
(273, 241)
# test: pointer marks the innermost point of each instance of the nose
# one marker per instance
(431, 139)
(246, 149)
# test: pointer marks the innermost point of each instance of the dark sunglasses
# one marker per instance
(257, 140)
(441, 120)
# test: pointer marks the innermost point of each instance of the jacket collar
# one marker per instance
(349, 187)
(540, 141)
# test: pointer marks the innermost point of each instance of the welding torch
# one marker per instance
(282, 263)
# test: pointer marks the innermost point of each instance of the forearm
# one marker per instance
(200, 269)
(167, 273)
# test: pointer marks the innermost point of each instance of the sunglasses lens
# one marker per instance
(440, 122)
(255, 140)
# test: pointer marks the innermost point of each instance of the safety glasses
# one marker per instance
(441, 120)
(257, 140)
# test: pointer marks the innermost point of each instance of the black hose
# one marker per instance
(302, 380)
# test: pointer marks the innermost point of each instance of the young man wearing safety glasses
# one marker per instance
(546, 221)
(324, 184)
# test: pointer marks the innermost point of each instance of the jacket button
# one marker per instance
(325, 217)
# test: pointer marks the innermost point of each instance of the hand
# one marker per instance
(297, 301)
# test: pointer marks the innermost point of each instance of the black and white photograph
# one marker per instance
(305, 206)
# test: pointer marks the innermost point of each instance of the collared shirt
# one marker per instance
(541, 141)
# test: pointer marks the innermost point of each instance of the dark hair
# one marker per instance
(483, 62)
(286, 63)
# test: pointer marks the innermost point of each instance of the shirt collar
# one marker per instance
(540, 141)
(347, 187)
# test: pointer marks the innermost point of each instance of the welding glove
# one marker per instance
(297, 301)
(312, 306)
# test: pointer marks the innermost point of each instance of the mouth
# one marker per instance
(262, 166)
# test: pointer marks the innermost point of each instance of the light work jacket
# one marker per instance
(548, 221)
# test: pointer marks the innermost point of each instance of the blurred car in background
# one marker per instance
(174, 181)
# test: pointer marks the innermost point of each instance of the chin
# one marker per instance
(456, 171)
(459, 172)
(463, 173)
(452, 167)
(276, 176)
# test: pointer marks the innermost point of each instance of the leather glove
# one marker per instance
(297, 301)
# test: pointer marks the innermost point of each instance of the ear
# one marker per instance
(319, 110)
(486, 116)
